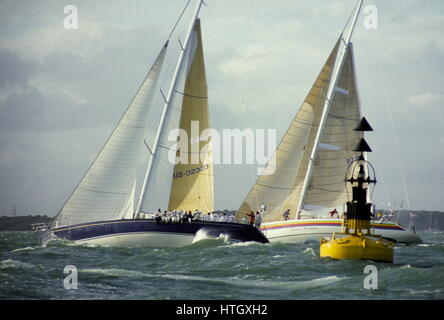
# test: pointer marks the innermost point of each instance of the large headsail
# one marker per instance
(192, 184)
(106, 191)
(189, 185)
(281, 189)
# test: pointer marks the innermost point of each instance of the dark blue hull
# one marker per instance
(148, 230)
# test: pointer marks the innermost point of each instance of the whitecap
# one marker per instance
(244, 244)
(11, 264)
(233, 281)
(185, 277)
(139, 274)
(293, 285)
(23, 249)
(259, 283)
(114, 272)
(203, 234)
(310, 251)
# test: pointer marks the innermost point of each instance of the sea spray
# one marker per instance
(204, 234)
(201, 234)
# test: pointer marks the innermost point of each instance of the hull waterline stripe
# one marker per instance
(321, 224)
(323, 234)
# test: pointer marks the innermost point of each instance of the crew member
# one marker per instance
(252, 217)
(258, 219)
(334, 213)
(286, 214)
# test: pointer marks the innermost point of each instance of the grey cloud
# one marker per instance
(31, 111)
(74, 90)
(14, 70)
(23, 112)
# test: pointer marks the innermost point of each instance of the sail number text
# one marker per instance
(190, 172)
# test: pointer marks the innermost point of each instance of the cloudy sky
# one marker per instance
(62, 91)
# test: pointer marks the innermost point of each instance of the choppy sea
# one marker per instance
(213, 269)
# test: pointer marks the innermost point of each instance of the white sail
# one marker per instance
(106, 190)
(129, 208)
(326, 188)
(282, 188)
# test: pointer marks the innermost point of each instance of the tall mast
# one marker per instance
(167, 104)
(329, 98)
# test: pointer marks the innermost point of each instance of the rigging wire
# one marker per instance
(395, 138)
(178, 20)
(169, 63)
(348, 21)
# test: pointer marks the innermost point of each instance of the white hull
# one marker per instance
(142, 239)
(302, 230)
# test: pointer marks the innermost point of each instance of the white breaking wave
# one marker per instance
(11, 264)
(245, 244)
(310, 251)
(233, 281)
(303, 284)
(203, 234)
(116, 272)
(23, 249)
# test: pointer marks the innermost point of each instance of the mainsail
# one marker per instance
(284, 189)
(182, 171)
(327, 187)
(106, 192)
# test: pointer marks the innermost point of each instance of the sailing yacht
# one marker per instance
(309, 163)
(115, 205)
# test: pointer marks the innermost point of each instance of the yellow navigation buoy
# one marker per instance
(357, 241)
(360, 247)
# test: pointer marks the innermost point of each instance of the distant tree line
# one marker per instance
(21, 223)
(424, 220)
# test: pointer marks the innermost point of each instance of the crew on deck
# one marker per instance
(182, 216)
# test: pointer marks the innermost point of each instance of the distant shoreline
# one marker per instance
(424, 220)
(22, 223)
